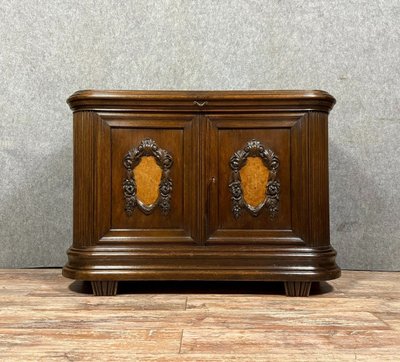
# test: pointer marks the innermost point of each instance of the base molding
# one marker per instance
(296, 267)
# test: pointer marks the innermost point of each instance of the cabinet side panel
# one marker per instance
(299, 179)
(318, 179)
(102, 178)
(83, 178)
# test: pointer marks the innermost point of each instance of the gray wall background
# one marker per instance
(49, 49)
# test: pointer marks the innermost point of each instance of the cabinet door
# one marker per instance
(145, 179)
(256, 179)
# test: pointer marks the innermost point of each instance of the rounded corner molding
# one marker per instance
(236, 101)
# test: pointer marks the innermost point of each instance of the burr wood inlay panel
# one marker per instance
(259, 186)
(154, 184)
(148, 177)
(254, 176)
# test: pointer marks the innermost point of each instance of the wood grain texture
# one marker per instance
(254, 177)
(148, 176)
(216, 101)
(297, 289)
(84, 124)
(102, 288)
(318, 180)
(44, 316)
(122, 131)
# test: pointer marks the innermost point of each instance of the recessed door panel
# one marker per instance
(151, 172)
(248, 207)
(257, 182)
(136, 199)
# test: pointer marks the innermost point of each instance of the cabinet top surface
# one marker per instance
(241, 100)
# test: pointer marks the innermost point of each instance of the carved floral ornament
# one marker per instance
(163, 159)
(270, 201)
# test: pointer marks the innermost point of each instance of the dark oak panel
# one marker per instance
(124, 139)
(230, 140)
(279, 133)
(318, 178)
(121, 133)
(84, 125)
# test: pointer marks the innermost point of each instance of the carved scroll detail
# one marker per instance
(147, 147)
(254, 148)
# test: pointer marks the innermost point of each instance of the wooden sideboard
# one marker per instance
(201, 185)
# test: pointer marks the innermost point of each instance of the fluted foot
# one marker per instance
(104, 287)
(297, 289)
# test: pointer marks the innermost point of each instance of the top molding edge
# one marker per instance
(251, 100)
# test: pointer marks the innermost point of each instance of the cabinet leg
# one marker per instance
(297, 289)
(108, 287)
